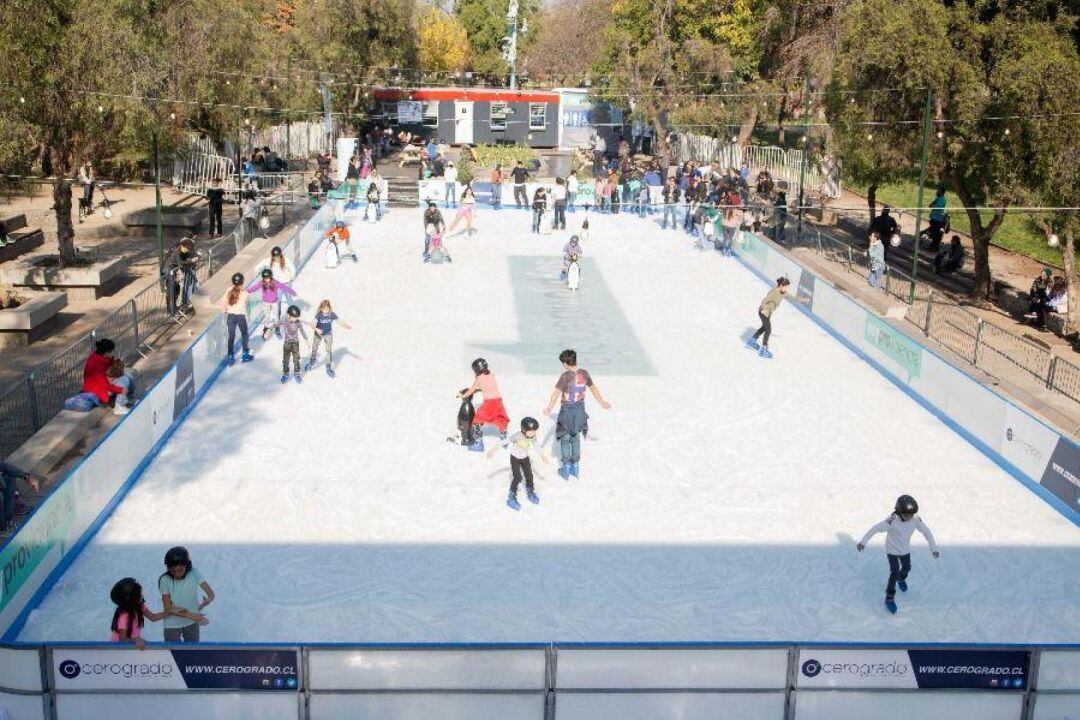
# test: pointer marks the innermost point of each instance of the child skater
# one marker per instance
(234, 305)
(284, 272)
(570, 251)
(520, 444)
(179, 586)
(294, 330)
(765, 310)
(491, 411)
(131, 613)
(572, 420)
(324, 334)
(339, 236)
(583, 235)
(898, 529)
(271, 290)
(465, 210)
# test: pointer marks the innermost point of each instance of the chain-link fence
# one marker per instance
(134, 326)
(987, 346)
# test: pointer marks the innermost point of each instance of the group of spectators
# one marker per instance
(1049, 294)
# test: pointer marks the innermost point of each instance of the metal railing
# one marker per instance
(27, 405)
(980, 342)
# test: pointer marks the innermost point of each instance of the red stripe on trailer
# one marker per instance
(466, 94)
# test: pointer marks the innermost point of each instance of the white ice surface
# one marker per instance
(721, 499)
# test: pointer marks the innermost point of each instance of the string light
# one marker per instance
(869, 136)
(100, 109)
(172, 116)
(22, 100)
(1006, 131)
(940, 134)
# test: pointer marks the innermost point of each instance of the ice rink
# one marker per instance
(720, 498)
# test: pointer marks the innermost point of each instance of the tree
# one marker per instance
(567, 43)
(58, 53)
(444, 45)
(486, 26)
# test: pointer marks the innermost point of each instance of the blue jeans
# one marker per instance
(496, 196)
(875, 273)
(669, 211)
(537, 215)
(451, 194)
(570, 198)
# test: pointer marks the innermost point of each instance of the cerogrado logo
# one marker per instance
(811, 668)
(72, 669)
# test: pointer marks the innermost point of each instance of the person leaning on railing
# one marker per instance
(9, 474)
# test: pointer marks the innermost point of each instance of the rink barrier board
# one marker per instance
(34, 558)
(1024, 446)
(549, 682)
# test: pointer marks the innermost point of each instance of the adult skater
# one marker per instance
(539, 205)
(234, 305)
(179, 586)
(293, 330)
(131, 613)
(323, 326)
(520, 175)
(571, 251)
(765, 310)
(559, 197)
(572, 421)
(434, 224)
(898, 529)
(271, 290)
(491, 411)
(520, 463)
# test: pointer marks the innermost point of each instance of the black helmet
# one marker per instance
(126, 592)
(238, 279)
(267, 274)
(529, 423)
(275, 251)
(906, 505)
(480, 366)
(177, 556)
(293, 311)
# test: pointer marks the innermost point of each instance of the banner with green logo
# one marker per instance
(904, 351)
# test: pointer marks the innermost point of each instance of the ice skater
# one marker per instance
(465, 210)
(234, 305)
(293, 330)
(283, 272)
(572, 252)
(323, 326)
(179, 586)
(131, 613)
(491, 411)
(898, 529)
(583, 234)
(520, 444)
(434, 225)
(572, 421)
(765, 310)
(271, 290)
(340, 243)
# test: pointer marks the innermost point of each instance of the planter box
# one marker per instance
(22, 245)
(80, 283)
(32, 320)
(176, 223)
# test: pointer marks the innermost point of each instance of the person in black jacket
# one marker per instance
(520, 175)
(433, 224)
(539, 204)
(671, 203)
(215, 195)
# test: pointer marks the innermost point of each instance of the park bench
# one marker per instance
(20, 238)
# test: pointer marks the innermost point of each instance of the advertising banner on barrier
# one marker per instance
(897, 346)
(922, 669)
(233, 669)
(1062, 474)
(805, 294)
(185, 383)
(32, 544)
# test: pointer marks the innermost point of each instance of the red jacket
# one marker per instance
(94, 380)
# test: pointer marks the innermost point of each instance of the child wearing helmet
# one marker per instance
(179, 586)
(571, 251)
(271, 290)
(131, 613)
(898, 529)
(491, 411)
(520, 444)
(283, 272)
(339, 238)
(293, 330)
(234, 305)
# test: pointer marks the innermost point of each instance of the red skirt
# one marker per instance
(492, 412)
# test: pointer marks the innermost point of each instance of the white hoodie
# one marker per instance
(898, 534)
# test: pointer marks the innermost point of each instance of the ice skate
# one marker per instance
(231, 360)
(330, 371)
(298, 378)
(890, 605)
(902, 584)
(247, 357)
(764, 352)
(752, 344)
(284, 379)
(574, 470)
(512, 502)
(533, 498)
(564, 471)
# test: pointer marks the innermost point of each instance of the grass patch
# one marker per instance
(1017, 233)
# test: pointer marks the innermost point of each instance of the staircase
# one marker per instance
(402, 192)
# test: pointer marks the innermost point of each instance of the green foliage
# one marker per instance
(485, 24)
(488, 156)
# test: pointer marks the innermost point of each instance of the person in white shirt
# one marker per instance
(450, 176)
(898, 529)
(571, 190)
